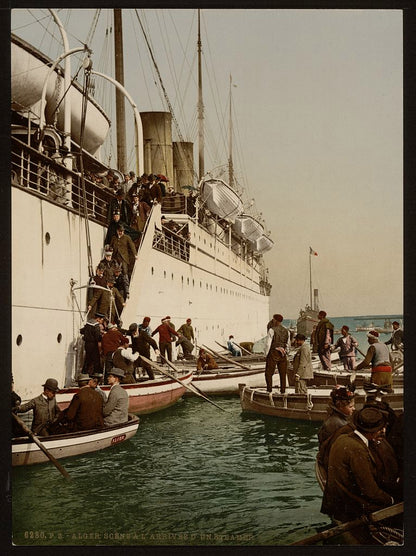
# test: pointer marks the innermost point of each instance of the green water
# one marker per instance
(192, 475)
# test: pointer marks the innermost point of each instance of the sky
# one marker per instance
(317, 131)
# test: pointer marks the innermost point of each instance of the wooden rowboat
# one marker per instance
(147, 396)
(309, 407)
(26, 452)
(225, 382)
(341, 377)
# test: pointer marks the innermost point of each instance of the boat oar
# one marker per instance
(164, 372)
(36, 440)
(212, 352)
(390, 511)
(172, 366)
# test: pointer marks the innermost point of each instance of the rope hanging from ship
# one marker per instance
(86, 85)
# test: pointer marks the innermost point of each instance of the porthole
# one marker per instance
(153, 270)
(59, 338)
(171, 276)
(164, 274)
(19, 340)
(47, 238)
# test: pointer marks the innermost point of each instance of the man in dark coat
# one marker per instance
(45, 408)
(92, 342)
(121, 205)
(108, 263)
(141, 342)
(124, 250)
(352, 488)
(108, 302)
(324, 338)
(86, 408)
(277, 346)
(121, 282)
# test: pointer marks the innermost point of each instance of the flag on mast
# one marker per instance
(312, 252)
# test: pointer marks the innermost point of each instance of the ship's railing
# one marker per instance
(44, 177)
(171, 243)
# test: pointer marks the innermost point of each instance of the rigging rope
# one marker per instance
(165, 93)
(87, 75)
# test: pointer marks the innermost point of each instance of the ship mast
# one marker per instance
(200, 105)
(119, 75)
(230, 143)
(310, 279)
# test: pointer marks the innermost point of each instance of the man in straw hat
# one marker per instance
(352, 488)
(45, 408)
(117, 406)
(378, 358)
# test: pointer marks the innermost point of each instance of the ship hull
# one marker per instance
(144, 397)
(219, 292)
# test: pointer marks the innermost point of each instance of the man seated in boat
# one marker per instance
(95, 381)
(44, 407)
(232, 347)
(340, 409)
(352, 488)
(85, 411)
(205, 361)
(116, 408)
(378, 357)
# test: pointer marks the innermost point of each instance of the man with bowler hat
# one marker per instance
(44, 406)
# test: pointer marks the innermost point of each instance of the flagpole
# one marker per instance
(310, 276)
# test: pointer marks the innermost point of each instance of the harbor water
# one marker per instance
(192, 475)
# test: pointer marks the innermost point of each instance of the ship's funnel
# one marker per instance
(157, 136)
(183, 166)
(315, 300)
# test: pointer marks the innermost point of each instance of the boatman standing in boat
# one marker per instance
(116, 409)
(277, 348)
(302, 365)
(45, 409)
(378, 358)
(396, 339)
(324, 338)
(346, 345)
